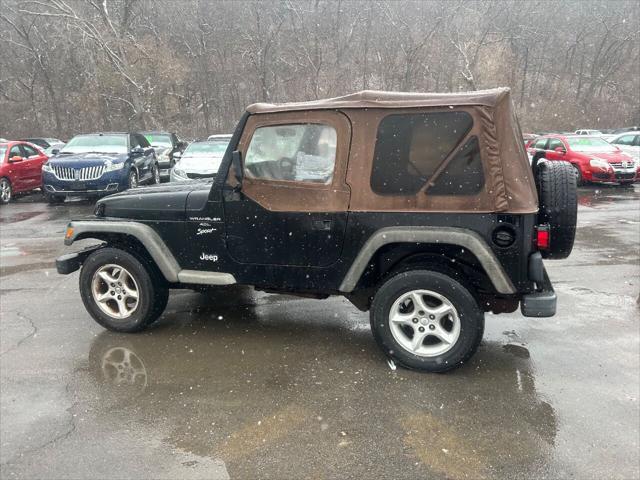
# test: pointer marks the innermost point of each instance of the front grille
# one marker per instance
(625, 176)
(86, 173)
(619, 165)
(201, 175)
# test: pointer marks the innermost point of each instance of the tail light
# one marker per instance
(543, 237)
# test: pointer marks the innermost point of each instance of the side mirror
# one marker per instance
(181, 145)
(177, 155)
(560, 150)
(15, 159)
(236, 163)
(137, 150)
(55, 151)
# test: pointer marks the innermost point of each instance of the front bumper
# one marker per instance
(628, 175)
(71, 262)
(109, 182)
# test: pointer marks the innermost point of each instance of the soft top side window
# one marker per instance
(463, 175)
(410, 148)
(292, 152)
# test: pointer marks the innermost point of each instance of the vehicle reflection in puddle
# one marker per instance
(266, 391)
(595, 196)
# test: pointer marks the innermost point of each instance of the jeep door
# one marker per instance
(292, 207)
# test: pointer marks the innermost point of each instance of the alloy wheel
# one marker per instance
(5, 191)
(424, 323)
(133, 179)
(115, 291)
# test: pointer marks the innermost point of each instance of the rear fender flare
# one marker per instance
(430, 235)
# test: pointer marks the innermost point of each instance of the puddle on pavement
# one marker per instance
(609, 243)
(268, 391)
(19, 216)
(605, 195)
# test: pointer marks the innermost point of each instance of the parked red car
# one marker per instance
(593, 158)
(20, 168)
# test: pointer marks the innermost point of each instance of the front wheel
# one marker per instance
(579, 177)
(6, 191)
(156, 174)
(121, 293)
(133, 179)
(53, 199)
(426, 321)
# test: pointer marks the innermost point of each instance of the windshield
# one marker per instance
(97, 144)
(3, 150)
(158, 140)
(590, 144)
(206, 149)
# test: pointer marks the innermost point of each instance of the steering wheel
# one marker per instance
(286, 166)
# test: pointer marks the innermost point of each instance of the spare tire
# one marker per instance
(558, 206)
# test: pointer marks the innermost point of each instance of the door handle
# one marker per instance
(323, 225)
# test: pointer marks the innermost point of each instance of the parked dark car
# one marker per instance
(99, 164)
(44, 142)
(166, 146)
(421, 208)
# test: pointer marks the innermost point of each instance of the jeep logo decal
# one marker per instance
(209, 257)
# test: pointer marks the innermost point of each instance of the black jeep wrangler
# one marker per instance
(421, 208)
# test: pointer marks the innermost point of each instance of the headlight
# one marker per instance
(179, 172)
(597, 163)
(47, 168)
(165, 155)
(110, 166)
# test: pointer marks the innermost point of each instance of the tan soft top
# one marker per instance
(510, 186)
(379, 99)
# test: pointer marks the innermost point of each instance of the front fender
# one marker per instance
(146, 235)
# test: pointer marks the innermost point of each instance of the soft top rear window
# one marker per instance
(410, 147)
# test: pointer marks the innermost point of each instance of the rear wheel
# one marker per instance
(120, 292)
(426, 321)
(558, 206)
(6, 191)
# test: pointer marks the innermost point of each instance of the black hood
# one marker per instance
(159, 202)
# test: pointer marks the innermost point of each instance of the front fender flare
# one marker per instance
(149, 238)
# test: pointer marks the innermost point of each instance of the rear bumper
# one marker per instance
(71, 262)
(541, 303)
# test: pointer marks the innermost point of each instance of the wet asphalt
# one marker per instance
(245, 385)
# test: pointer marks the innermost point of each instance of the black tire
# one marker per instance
(53, 199)
(132, 181)
(155, 175)
(6, 191)
(578, 174)
(558, 206)
(153, 293)
(470, 317)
